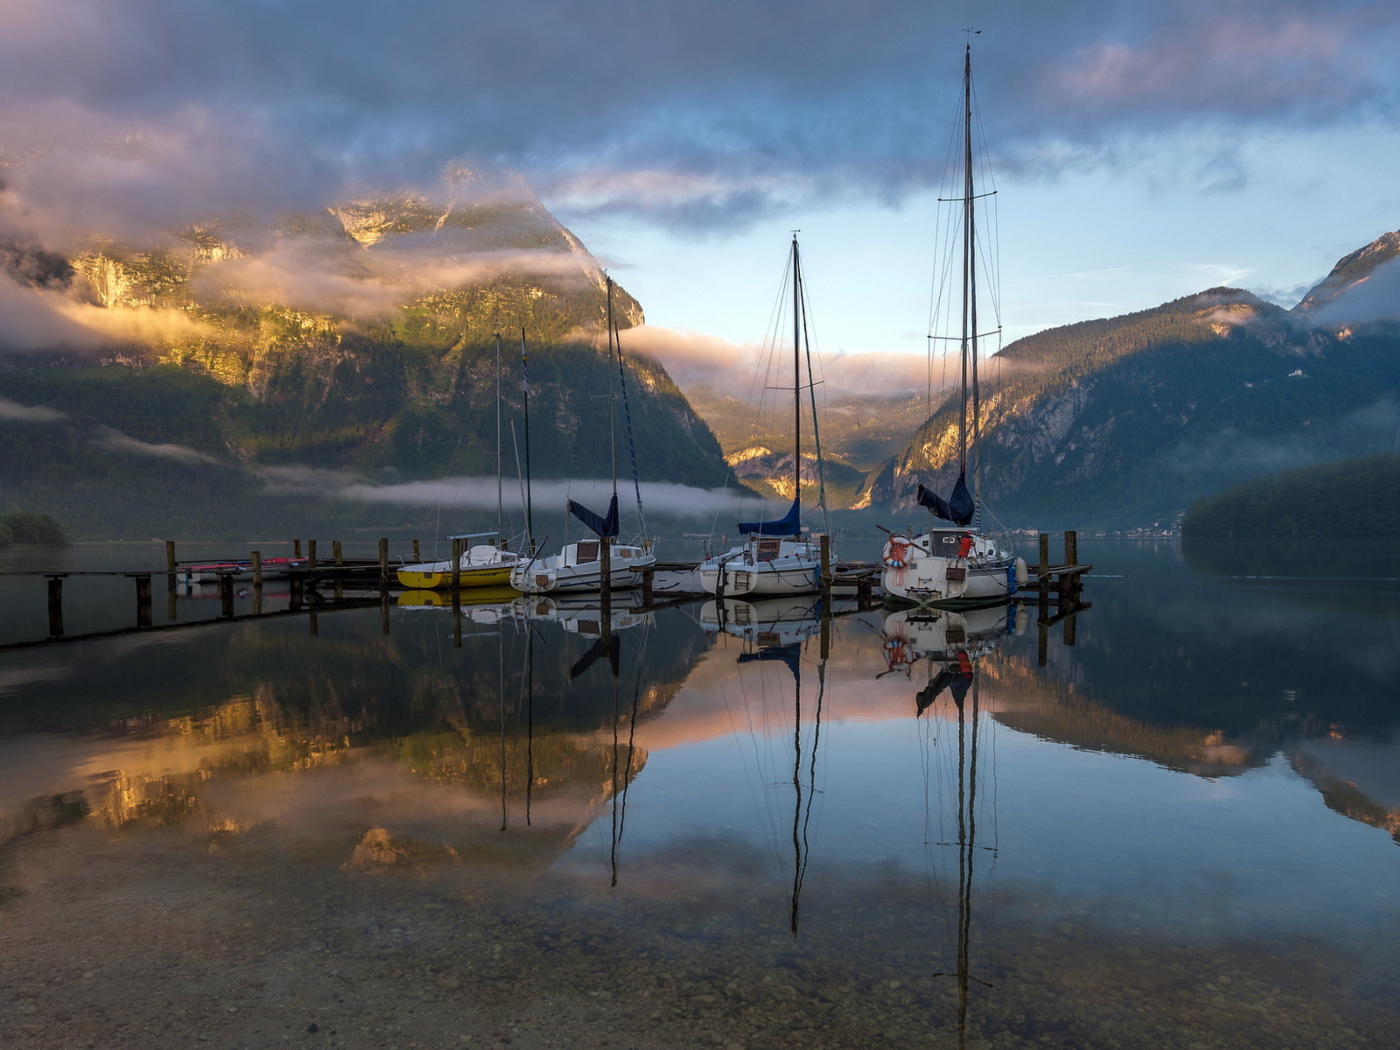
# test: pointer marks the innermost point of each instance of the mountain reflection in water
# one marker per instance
(706, 822)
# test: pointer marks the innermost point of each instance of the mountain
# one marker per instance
(1354, 497)
(1126, 420)
(359, 341)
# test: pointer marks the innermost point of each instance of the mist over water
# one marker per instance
(1181, 830)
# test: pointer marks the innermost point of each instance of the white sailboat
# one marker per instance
(952, 561)
(592, 565)
(777, 558)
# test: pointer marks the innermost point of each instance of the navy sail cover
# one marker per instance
(604, 527)
(957, 508)
(790, 524)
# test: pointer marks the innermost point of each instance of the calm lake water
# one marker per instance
(1183, 830)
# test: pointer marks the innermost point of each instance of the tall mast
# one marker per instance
(796, 372)
(529, 488)
(969, 304)
(612, 392)
(500, 493)
(972, 282)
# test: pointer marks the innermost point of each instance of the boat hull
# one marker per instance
(483, 576)
(568, 579)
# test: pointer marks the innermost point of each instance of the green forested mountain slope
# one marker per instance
(1354, 497)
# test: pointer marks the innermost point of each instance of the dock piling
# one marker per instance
(384, 569)
(257, 570)
(648, 578)
(56, 606)
(1043, 570)
(170, 565)
(226, 594)
(311, 554)
(296, 548)
(417, 555)
(825, 541)
(337, 554)
(456, 572)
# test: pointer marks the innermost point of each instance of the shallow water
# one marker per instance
(1181, 831)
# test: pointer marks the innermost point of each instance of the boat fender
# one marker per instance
(896, 554)
(1023, 575)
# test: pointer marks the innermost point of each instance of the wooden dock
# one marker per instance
(373, 581)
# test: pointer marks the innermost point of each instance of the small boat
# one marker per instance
(209, 572)
(584, 566)
(482, 565)
(579, 567)
(955, 563)
(777, 558)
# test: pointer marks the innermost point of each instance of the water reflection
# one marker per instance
(751, 821)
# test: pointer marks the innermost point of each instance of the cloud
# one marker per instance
(313, 274)
(1375, 297)
(116, 441)
(137, 115)
(14, 412)
(665, 498)
(697, 360)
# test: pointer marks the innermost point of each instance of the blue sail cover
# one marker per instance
(957, 508)
(790, 524)
(604, 527)
(789, 654)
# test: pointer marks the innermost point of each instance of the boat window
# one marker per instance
(587, 551)
(768, 549)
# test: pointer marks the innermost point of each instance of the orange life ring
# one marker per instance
(895, 554)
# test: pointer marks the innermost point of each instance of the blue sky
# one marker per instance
(1143, 151)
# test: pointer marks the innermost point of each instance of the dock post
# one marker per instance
(55, 606)
(456, 569)
(648, 577)
(337, 554)
(295, 582)
(1044, 569)
(296, 548)
(417, 556)
(170, 565)
(257, 570)
(383, 563)
(226, 594)
(1071, 547)
(825, 541)
(143, 600)
(311, 554)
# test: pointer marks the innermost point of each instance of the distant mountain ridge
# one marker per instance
(1125, 420)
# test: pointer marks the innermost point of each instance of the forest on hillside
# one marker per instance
(1350, 498)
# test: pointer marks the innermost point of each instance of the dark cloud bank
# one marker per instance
(124, 114)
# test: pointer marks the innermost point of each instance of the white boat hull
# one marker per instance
(758, 569)
(566, 572)
(979, 571)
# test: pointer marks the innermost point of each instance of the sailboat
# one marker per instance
(590, 565)
(482, 564)
(952, 561)
(776, 558)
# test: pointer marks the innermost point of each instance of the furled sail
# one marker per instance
(958, 508)
(604, 527)
(790, 524)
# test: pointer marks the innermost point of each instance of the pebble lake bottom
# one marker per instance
(1181, 832)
